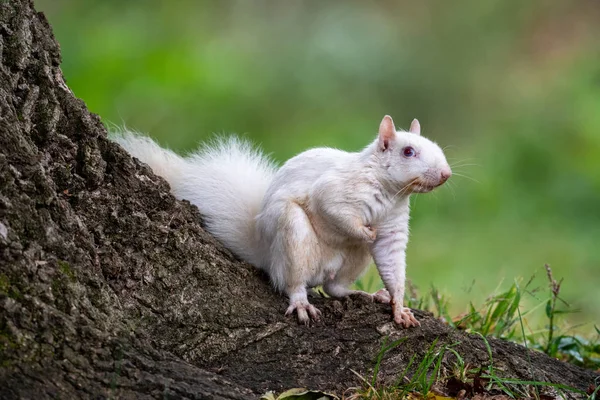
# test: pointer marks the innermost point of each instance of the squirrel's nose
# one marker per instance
(445, 174)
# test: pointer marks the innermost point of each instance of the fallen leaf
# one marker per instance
(300, 394)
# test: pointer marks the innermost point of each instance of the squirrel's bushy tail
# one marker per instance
(226, 179)
(163, 162)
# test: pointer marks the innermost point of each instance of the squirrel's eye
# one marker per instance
(409, 152)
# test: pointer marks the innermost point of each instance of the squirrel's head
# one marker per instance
(413, 163)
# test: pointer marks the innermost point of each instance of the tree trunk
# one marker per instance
(109, 287)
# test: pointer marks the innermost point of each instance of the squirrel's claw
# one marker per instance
(304, 310)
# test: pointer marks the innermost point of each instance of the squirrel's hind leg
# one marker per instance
(299, 260)
(355, 262)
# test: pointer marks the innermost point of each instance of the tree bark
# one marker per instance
(109, 287)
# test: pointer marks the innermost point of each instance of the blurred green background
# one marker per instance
(511, 87)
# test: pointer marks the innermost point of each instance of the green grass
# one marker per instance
(425, 372)
(419, 377)
(499, 316)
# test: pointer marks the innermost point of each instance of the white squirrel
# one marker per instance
(319, 218)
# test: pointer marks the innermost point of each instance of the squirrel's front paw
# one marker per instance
(403, 316)
(370, 233)
(304, 310)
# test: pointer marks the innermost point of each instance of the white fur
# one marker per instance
(319, 218)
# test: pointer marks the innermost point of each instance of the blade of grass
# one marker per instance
(384, 349)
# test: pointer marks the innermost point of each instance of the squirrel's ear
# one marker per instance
(415, 127)
(387, 133)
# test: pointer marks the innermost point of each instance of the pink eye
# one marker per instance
(408, 152)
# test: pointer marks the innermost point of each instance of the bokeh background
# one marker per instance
(510, 88)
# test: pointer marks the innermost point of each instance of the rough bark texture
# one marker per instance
(109, 287)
